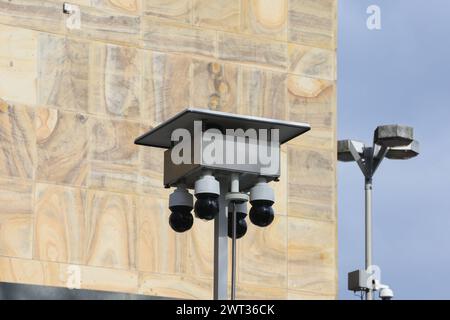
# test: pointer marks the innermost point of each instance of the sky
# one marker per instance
(399, 74)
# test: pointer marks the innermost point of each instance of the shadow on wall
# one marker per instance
(12, 291)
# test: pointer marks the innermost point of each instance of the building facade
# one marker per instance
(81, 206)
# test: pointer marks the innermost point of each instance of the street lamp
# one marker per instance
(227, 160)
(394, 142)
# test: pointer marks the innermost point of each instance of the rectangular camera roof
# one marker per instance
(160, 136)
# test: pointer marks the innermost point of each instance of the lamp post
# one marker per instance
(394, 142)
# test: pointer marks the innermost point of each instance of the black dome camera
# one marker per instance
(241, 224)
(261, 213)
(206, 206)
(180, 205)
(261, 198)
(207, 190)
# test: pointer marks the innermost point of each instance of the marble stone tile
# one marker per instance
(215, 86)
(115, 81)
(312, 183)
(16, 235)
(112, 141)
(107, 279)
(312, 23)
(263, 254)
(18, 64)
(112, 21)
(166, 85)
(81, 2)
(312, 62)
(200, 260)
(28, 271)
(113, 177)
(312, 256)
(260, 292)
(265, 18)
(160, 249)
(175, 286)
(62, 146)
(150, 180)
(16, 218)
(63, 73)
(218, 14)
(305, 295)
(148, 93)
(246, 49)
(17, 141)
(59, 223)
(59, 275)
(263, 93)
(151, 158)
(40, 15)
(164, 37)
(131, 7)
(176, 10)
(110, 230)
(313, 101)
(16, 197)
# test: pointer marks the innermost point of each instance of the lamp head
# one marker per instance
(405, 152)
(344, 153)
(393, 135)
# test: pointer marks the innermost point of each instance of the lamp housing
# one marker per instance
(393, 135)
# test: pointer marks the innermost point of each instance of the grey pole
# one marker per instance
(234, 189)
(233, 255)
(221, 247)
(368, 192)
(393, 142)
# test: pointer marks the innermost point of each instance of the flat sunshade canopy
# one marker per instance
(160, 136)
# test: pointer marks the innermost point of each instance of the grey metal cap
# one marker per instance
(262, 191)
(207, 184)
(181, 197)
(241, 207)
(393, 135)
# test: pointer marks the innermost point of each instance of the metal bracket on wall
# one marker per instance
(73, 21)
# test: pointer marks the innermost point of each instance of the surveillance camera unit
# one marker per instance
(222, 180)
(241, 224)
(386, 294)
(363, 281)
(180, 205)
(207, 191)
(262, 198)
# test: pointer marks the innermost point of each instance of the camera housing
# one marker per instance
(386, 293)
(241, 224)
(207, 191)
(180, 205)
(262, 198)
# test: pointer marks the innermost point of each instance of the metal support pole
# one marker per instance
(368, 193)
(234, 188)
(221, 247)
(233, 255)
